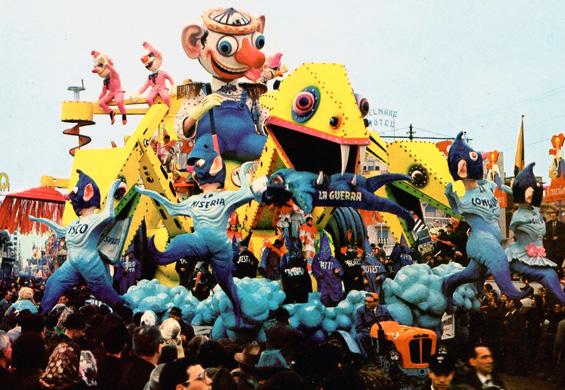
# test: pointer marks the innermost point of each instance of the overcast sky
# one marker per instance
(444, 66)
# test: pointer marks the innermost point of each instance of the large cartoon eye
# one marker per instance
(305, 104)
(200, 163)
(227, 45)
(363, 105)
(258, 40)
(474, 156)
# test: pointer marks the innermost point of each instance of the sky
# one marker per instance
(443, 66)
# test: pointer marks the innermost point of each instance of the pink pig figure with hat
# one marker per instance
(156, 79)
(112, 86)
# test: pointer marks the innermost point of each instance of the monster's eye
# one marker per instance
(419, 175)
(335, 121)
(258, 40)
(305, 104)
(363, 105)
(474, 156)
(200, 163)
(227, 45)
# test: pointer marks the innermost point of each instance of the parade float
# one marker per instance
(303, 135)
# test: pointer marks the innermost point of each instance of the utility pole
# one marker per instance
(412, 136)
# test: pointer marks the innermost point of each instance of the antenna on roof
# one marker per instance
(77, 89)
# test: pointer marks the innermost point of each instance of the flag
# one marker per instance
(519, 160)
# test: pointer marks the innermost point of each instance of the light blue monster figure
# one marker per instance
(210, 213)
(526, 254)
(481, 210)
(82, 237)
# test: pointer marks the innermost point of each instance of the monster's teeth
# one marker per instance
(354, 181)
(362, 153)
(344, 157)
(320, 179)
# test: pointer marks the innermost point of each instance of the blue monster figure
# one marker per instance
(481, 210)
(210, 213)
(526, 254)
(82, 237)
(341, 189)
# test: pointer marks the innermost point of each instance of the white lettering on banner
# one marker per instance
(340, 195)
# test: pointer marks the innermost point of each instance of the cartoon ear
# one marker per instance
(88, 192)
(217, 165)
(261, 20)
(462, 169)
(191, 40)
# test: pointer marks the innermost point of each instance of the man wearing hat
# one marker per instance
(441, 372)
(365, 317)
(228, 46)
(247, 359)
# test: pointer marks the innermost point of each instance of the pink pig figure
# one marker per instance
(112, 87)
(156, 79)
(272, 68)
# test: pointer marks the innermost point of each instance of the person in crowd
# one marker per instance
(482, 374)
(307, 233)
(186, 330)
(201, 281)
(459, 237)
(271, 257)
(284, 337)
(29, 359)
(401, 255)
(514, 325)
(295, 279)
(146, 353)
(351, 259)
(374, 272)
(5, 356)
(128, 272)
(328, 272)
(184, 268)
(24, 302)
(62, 371)
(244, 374)
(554, 236)
(245, 262)
(114, 342)
(6, 301)
(171, 336)
(441, 372)
(365, 317)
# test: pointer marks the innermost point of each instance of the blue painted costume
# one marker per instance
(526, 254)
(210, 213)
(82, 237)
(481, 211)
(323, 268)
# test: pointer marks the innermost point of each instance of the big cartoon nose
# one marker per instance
(249, 55)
